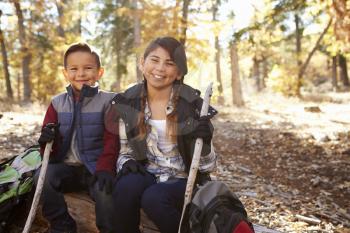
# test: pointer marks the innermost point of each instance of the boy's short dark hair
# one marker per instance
(81, 47)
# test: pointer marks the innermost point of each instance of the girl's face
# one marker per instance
(159, 70)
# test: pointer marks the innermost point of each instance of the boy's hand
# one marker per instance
(131, 166)
(105, 180)
(48, 133)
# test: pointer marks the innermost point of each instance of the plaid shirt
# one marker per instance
(163, 164)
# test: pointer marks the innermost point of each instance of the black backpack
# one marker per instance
(215, 209)
(16, 182)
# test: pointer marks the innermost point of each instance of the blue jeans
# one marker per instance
(162, 202)
(61, 178)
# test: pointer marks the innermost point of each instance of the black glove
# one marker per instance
(48, 133)
(202, 178)
(131, 166)
(204, 130)
(105, 180)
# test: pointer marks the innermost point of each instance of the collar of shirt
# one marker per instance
(169, 107)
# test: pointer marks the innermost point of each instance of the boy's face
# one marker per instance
(82, 69)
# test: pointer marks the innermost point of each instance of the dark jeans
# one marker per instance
(162, 202)
(61, 178)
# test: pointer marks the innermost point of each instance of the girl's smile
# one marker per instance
(159, 69)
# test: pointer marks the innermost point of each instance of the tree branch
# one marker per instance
(306, 63)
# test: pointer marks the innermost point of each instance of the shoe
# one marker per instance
(63, 225)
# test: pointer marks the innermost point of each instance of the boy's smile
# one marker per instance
(82, 69)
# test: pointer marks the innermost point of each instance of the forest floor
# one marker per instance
(287, 159)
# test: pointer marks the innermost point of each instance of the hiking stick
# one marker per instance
(39, 187)
(196, 156)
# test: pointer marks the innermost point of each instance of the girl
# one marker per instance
(158, 125)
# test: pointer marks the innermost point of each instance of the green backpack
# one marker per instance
(16, 182)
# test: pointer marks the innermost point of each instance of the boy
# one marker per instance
(83, 150)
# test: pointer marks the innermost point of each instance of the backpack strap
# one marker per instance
(224, 200)
(4, 187)
(8, 161)
(26, 151)
(223, 205)
(196, 216)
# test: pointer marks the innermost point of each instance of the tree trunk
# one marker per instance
(217, 58)
(343, 70)
(298, 34)
(334, 74)
(265, 72)
(18, 87)
(184, 19)
(237, 97)
(175, 24)
(60, 9)
(256, 73)
(137, 39)
(118, 71)
(5, 65)
(78, 23)
(221, 99)
(25, 53)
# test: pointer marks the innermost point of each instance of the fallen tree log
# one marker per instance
(82, 209)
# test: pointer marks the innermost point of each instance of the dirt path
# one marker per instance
(281, 159)
(284, 161)
(19, 129)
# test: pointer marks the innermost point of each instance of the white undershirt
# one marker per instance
(163, 143)
(72, 157)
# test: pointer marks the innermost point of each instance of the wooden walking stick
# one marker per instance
(39, 187)
(196, 157)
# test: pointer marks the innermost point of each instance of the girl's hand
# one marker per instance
(204, 130)
(131, 166)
